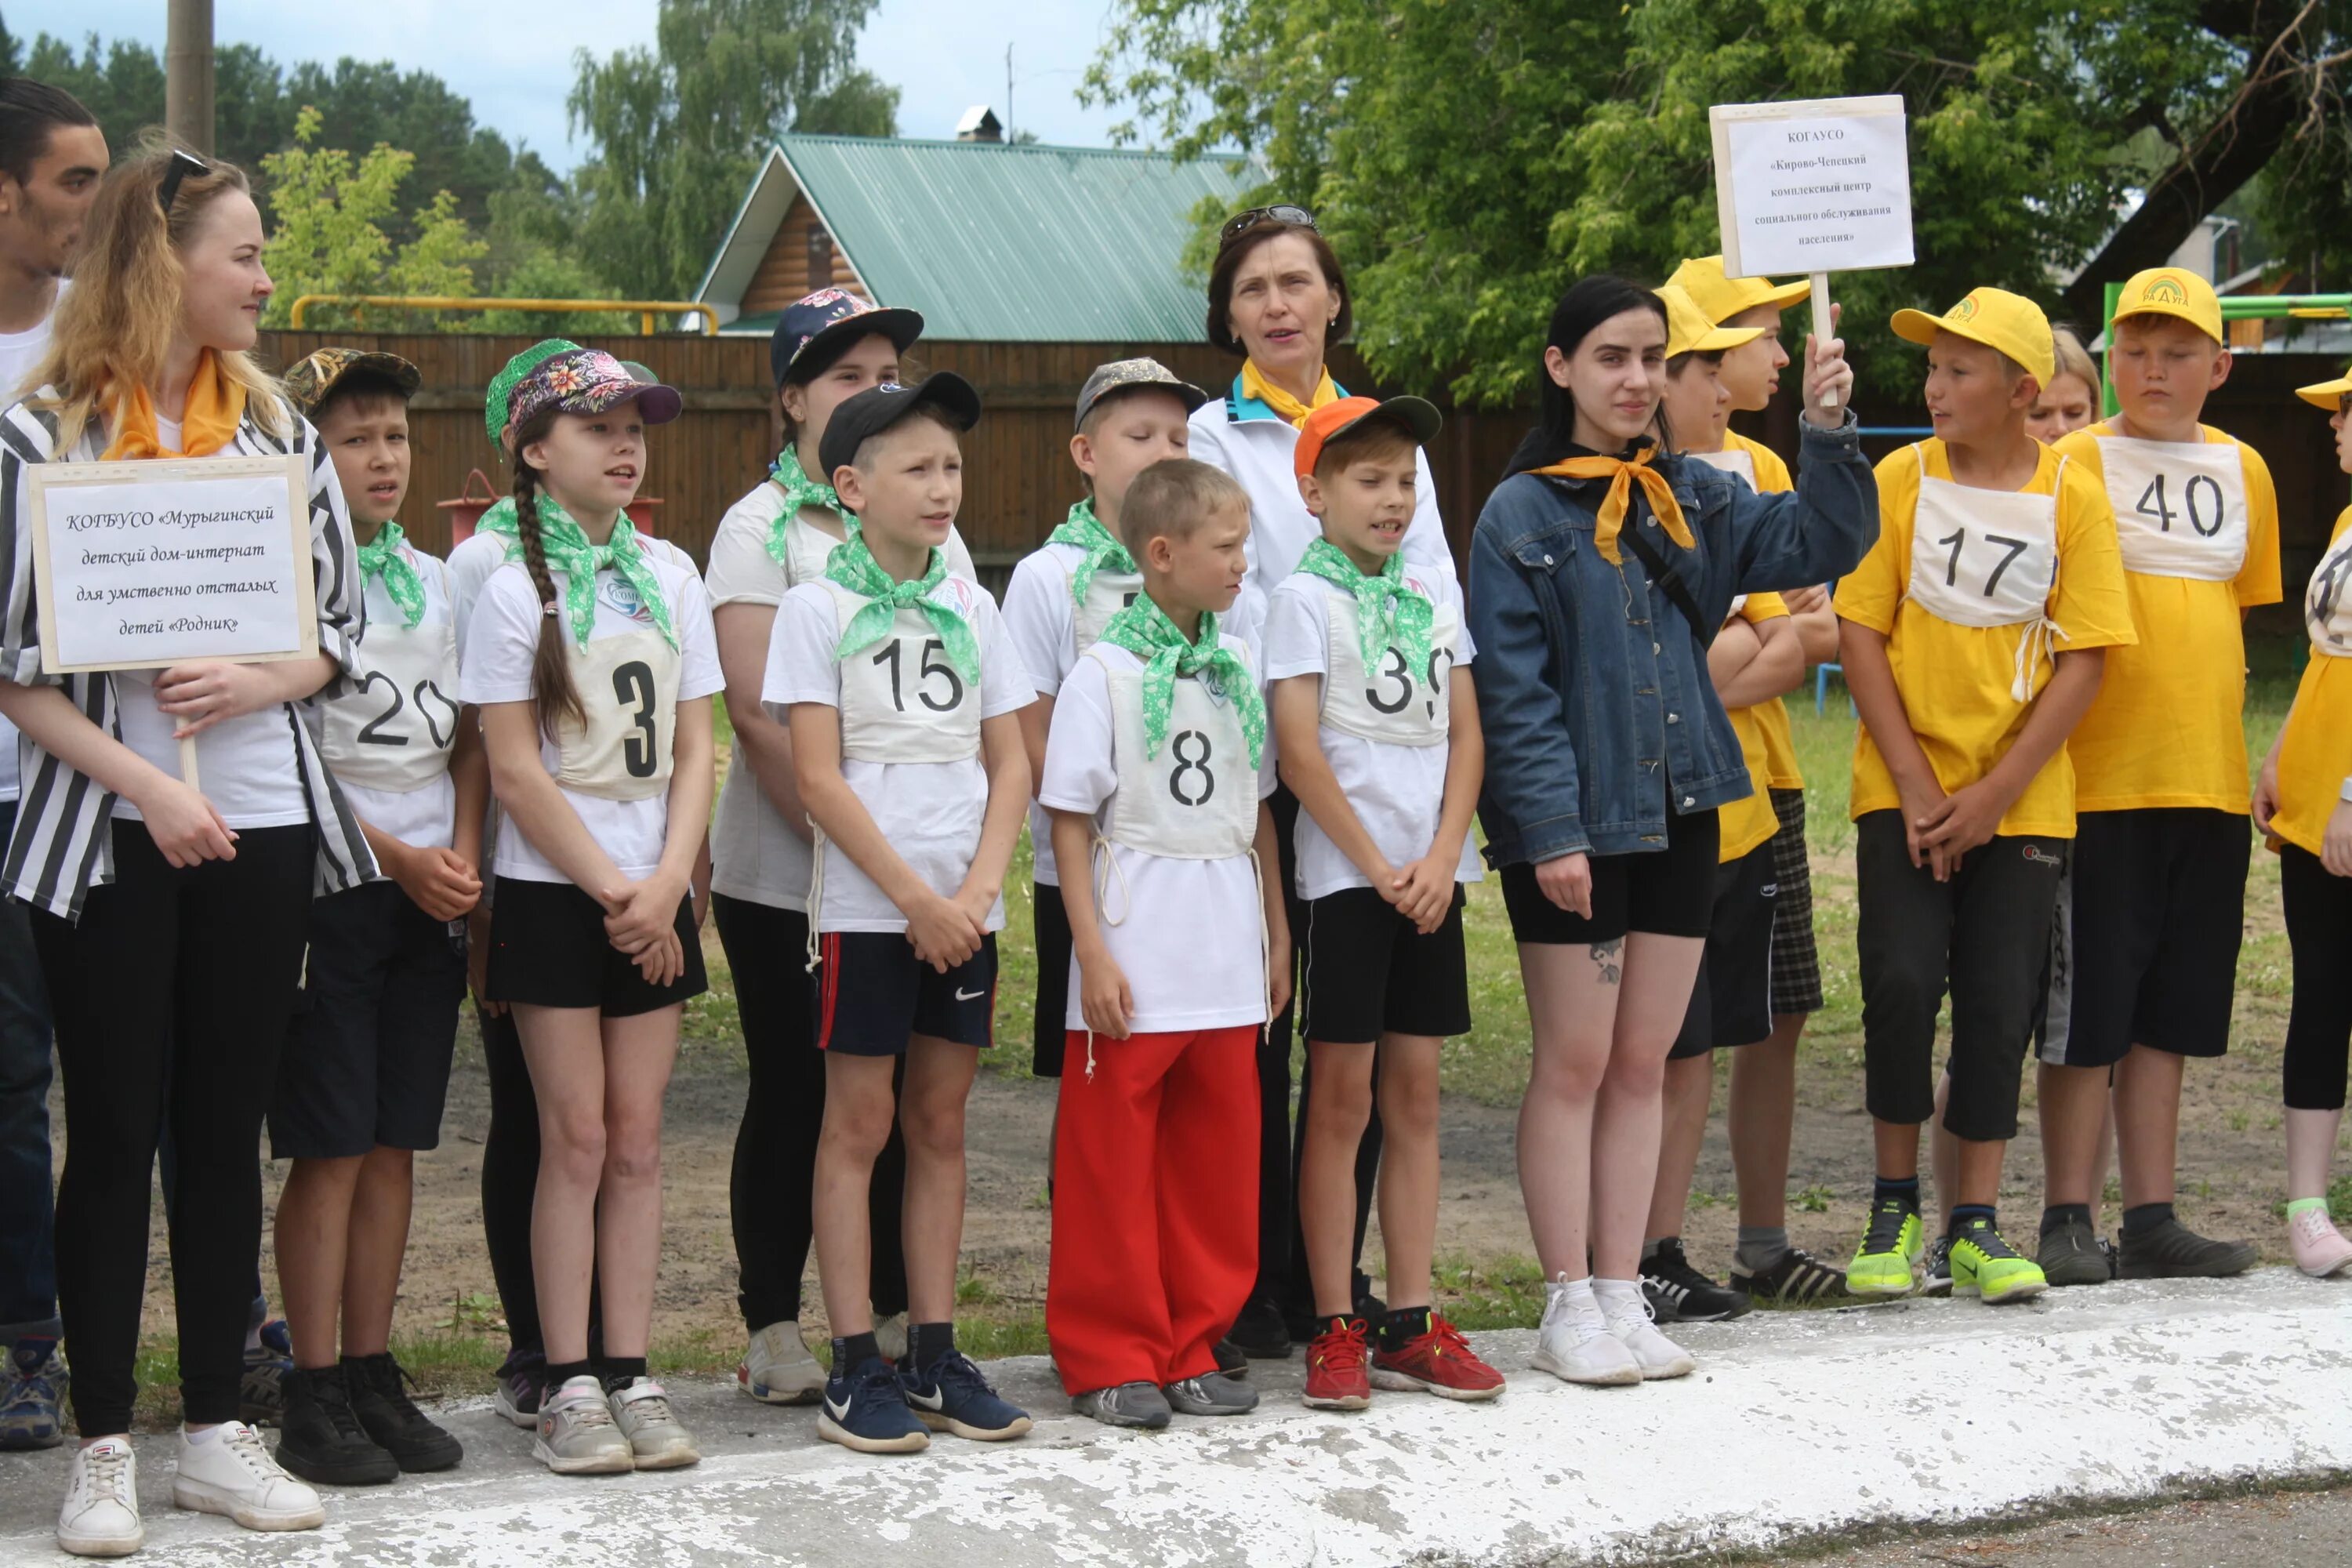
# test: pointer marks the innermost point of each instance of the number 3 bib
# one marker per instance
(1390, 703)
(1197, 800)
(628, 691)
(393, 730)
(901, 700)
(2180, 508)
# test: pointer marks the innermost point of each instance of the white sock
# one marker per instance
(1573, 1291)
(193, 1434)
(1608, 1290)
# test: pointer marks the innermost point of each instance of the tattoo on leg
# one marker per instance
(1609, 957)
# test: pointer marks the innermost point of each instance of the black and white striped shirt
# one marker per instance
(63, 846)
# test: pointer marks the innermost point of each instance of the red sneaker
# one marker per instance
(1335, 1367)
(1440, 1362)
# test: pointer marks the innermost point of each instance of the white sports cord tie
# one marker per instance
(815, 895)
(1103, 864)
(2040, 641)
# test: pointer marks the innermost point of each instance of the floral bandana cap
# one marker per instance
(590, 380)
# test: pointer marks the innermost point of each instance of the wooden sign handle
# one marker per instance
(188, 762)
(1821, 324)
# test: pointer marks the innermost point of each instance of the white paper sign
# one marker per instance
(1815, 186)
(143, 565)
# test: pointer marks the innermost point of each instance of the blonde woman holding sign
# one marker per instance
(199, 899)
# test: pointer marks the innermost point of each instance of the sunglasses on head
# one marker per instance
(182, 164)
(1242, 223)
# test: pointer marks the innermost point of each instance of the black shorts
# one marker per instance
(2143, 950)
(367, 1053)
(873, 993)
(1731, 1003)
(1051, 1028)
(1369, 972)
(1664, 892)
(1796, 957)
(548, 949)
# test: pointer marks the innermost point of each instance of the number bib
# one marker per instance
(2327, 602)
(393, 730)
(901, 701)
(1983, 558)
(1734, 460)
(2180, 509)
(1197, 800)
(628, 689)
(807, 548)
(1107, 593)
(1390, 703)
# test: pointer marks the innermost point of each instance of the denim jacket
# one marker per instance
(1592, 685)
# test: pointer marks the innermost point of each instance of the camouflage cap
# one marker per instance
(497, 398)
(1127, 375)
(317, 374)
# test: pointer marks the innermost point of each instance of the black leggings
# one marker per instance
(2319, 1028)
(510, 1185)
(172, 998)
(773, 1182)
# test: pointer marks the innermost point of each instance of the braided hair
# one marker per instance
(550, 665)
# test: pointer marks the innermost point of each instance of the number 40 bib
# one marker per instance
(2180, 506)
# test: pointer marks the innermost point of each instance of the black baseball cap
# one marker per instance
(878, 408)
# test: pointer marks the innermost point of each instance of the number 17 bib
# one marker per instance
(2180, 506)
(1983, 558)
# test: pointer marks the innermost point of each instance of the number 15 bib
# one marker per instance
(1983, 558)
(2180, 506)
(901, 699)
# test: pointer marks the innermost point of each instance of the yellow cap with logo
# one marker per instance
(1689, 331)
(1995, 318)
(1720, 298)
(2328, 394)
(2173, 291)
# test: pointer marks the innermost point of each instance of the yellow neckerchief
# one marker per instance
(1254, 385)
(1622, 475)
(216, 407)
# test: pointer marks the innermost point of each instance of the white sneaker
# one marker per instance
(777, 1368)
(576, 1433)
(1631, 1322)
(658, 1440)
(2318, 1248)
(100, 1517)
(232, 1472)
(1574, 1344)
(890, 1334)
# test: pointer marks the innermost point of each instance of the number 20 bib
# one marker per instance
(1983, 558)
(393, 730)
(2327, 602)
(1197, 800)
(901, 700)
(2180, 508)
(1389, 703)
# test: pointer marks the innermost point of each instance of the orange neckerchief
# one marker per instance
(1622, 475)
(1284, 405)
(216, 407)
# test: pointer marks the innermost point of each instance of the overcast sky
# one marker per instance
(513, 58)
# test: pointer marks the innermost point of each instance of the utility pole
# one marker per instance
(188, 74)
(1008, 93)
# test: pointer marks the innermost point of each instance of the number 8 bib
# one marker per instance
(1983, 558)
(628, 689)
(2180, 509)
(1197, 800)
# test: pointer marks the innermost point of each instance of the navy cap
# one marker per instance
(878, 408)
(815, 330)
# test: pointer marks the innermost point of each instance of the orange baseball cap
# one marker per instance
(1416, 416)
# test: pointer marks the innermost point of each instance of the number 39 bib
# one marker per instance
(2327, 602)
(1983, 558)
(393, 729)
(2180, 506)
(1389, 703)
(1197, 800)
(901, 700)
(628, 690)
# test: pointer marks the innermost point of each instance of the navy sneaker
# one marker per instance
(951, 1395)
(261, 1402)
(865, 1408)
(32, 1394)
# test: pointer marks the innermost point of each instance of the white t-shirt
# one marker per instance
(1398, 791)
(496, 666)
(247, 766)
(754, 856)
(413, 707)
(931, 812)
(20, 357)
(1051, 635)
(1189, 941)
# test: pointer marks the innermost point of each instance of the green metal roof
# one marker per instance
(1012, 244)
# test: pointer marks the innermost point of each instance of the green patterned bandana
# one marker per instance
(800, 491)
(500, 520)
(1387, 613)
(1084, 531)
(1144, 630)
(852, 564)
(383, 558)
(565, 545)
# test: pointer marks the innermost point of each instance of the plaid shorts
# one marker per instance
(1795, 961)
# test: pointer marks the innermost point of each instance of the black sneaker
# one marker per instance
(1260, 1333)
(1798, 1280)
(1230, 1361)
(389, 1416)
(1678, 1293)
(1936, 1268)
(2071, 1254)
(259, 1400)
(2173, 1251)
(321, 1438)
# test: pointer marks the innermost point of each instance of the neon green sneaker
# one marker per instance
(1985, 1266)
(1882, 1264)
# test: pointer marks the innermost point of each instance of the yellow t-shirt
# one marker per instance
(1780, 769)
(2167, 726)
(2315, 753)
(1748, 825)
(1955, 681)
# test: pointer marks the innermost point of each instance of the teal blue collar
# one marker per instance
(1239, 408)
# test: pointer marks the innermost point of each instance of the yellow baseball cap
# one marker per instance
(2328, 394)
(1689, 331)
(1995, 318)
(2173, 291)
(1720, 298)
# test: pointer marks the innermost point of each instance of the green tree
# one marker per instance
(329, 236)
(678, 131)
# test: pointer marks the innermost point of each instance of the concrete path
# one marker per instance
(1797, 1426)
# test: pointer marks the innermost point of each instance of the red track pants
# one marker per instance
(1155, 1205)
